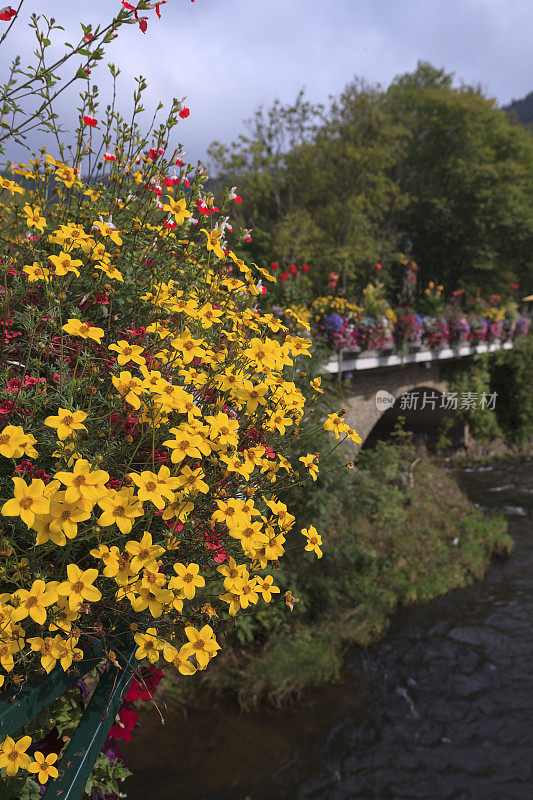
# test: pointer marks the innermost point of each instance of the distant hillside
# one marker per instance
(523, 109)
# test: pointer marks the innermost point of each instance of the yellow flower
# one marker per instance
(11, 186)
(151, 488)
(45, 648)
(66, 422)
(178, 208)
(43, 766)
(232, 572)
(335, 424)
(314, 540)
(27, 502)
(223, 429)
(79, 586)
(201, 644)
(83, 483)
(266, 587)
(184, 444)
(64, 264)
(13, 754)
(129, 387)
(148, 645)
(127, 352)
(65, 650)
(144, 553)
(213, 242)
(309, 462)
(245, 589)
(120, 509)
(187, 580)
(33, 218)
(75, 327)
(36, 272)
(11, 439)
(33, 603)
(65, 515)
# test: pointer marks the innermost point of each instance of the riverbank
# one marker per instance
(397, 531)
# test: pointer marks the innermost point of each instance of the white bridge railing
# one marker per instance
(348, 361)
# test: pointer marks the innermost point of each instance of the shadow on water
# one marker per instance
(441, 708)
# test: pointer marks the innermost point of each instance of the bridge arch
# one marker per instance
(366, 393)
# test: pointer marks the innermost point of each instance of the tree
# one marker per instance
(468, 173)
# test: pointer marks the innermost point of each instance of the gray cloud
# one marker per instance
(228, 56)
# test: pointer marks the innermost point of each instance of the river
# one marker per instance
(441, 708)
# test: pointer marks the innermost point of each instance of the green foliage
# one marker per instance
(512, 379)
(509, 373)
(467, 375)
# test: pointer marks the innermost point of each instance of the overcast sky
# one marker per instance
(229, 56)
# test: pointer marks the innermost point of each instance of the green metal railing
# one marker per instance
(82, 750)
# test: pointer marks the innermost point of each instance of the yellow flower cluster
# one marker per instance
(158, 442)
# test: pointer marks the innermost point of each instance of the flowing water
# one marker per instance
(441, 708)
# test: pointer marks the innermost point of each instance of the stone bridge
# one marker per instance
(372, 384)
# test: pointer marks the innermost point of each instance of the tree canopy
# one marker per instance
(347, 185)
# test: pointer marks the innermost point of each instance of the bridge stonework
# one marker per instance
(359, 395)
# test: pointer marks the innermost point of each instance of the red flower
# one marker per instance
(515, 286)
(90, 121)
(160, 3)
(127, 719)
(378, 266)
(202, 207)
(274, 265)
(128, 6)
(180, 163)
(143, 25)
(7, 13)
(152, 154)
(283, 277)
(292, 269)
(184, 113)
(305, 267)
(109, 157)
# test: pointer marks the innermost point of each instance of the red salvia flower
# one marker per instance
(184, 113)
(7, 13)
(90, 121)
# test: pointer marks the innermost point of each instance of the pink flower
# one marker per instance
(14, 384)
